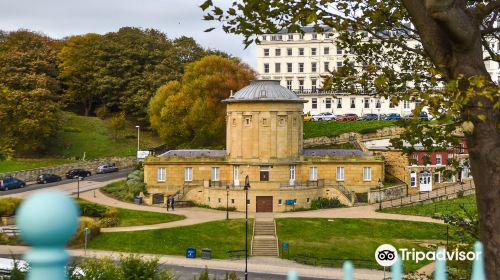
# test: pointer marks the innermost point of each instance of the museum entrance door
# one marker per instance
(264, 204)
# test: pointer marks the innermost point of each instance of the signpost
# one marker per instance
(86, 233)
(141, 155)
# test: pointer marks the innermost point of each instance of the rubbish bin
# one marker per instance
(191, 253)
(138, 200)
(206, 254)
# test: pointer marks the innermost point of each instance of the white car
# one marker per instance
(324, 117)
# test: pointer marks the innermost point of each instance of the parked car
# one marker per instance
(392, 117)
(323, 117)
(308, 118)
(106, 169)
(11, 183)
(48, 178)
(73, 173)
(370, 117)
(423, 116)
(347, 117)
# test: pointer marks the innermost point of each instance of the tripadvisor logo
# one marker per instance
(386, 255)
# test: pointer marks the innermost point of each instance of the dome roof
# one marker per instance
(264, 90)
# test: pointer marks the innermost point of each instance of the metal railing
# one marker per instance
(305, 184)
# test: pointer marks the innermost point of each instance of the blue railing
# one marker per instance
(47, 220)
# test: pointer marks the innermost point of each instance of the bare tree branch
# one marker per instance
(480, 12)
(493, 55)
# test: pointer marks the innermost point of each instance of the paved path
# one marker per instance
(261, 265)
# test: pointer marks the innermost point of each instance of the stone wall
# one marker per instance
(389, 193)
(389, 131)
(90, 165)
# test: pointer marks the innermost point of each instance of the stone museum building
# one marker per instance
(264, 140)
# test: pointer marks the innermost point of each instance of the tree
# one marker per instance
(117, 123)
(450, 36)
(190, 113)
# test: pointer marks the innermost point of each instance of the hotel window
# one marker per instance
(215, 174)
(161, 174)
(289, 52)
(353, 103)
(313, 67)
(327, 66)
(277, 67)
(367, 173)
(266, 67)
(339, 50)
(315, 36)
(301, 36)
(264, 173)
(290, 37)
(301, 67)
(439, 159)
(313, 173)
(266, 52)
(378, 104)
(367, 103)
(437, 177)
(188, 174)
(301, 85)
(313, 51)
(406, 104)
(328, 103)
(339, 103)
(314, 103)
(326, 50)
(289, 84)
(340, 173)
(289, 67)
(301, 51)
(277, 52)
(264, 38)
(313, 85)
(339, 64)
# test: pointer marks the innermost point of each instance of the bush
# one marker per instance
(79, 237)
(102, 112)
(324, 203)
(8, 206)
(127, 190)
(90, 209)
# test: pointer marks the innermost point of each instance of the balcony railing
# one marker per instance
(305, 184)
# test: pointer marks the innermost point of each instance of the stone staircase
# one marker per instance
(264, 241)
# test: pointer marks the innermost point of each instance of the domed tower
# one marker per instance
(264, 123)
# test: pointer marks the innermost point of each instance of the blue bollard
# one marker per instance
(478, 264)
(440, 273)
(348, 270)
(47, 220)
(292, 275)
(397, 269)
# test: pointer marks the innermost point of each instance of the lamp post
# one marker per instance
(379, 194)
(138, 135)
(246, 187)
(227, 202)
(78, 178)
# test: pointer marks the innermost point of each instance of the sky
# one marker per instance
(61, 18)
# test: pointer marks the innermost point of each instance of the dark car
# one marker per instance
(48, 178)
(392, 117)
(73, 173)
(423, 116)
(11, 183)
(370, 117)
(106, 169)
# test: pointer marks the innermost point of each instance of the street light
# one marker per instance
(138, 134)
(227, 202)
(246, 187)
(78, 178)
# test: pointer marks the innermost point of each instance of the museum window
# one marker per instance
(289, 67)
(248, 121)
(328, 103)
(353, 103)
(292, 173)
(367, 103)
(339, 103)
(161, 174)
(266, 52)
(188, 174)
(301, 51)
(308, 200)
(289, 83)
(313, 173)
(215, 174)
(266, 67)
(314, 103)
(219, 200)
(289, 52)
(340, 173)
(280, 201)
(264, 173)
(277, 52)
(313, 51)
(367, 173)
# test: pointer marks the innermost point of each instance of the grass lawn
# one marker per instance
(220, 236)
(129, 218)
(442, 207)
(333, 128)
(94, 137)
(24, 164)
(356, 238)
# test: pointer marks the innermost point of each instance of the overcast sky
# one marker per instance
(60, 18)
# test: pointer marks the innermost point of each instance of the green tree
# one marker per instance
(117, 123)
(190, 113)
(445, 68)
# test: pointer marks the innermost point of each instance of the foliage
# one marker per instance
(117, 124)
(190, 113)
(90, 209)
(93, 225)
(334, 128)
(127, 190)
(8, 206)
(324, 203)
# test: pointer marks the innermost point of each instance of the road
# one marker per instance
(69, 186)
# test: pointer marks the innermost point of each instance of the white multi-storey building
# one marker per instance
(301, 61)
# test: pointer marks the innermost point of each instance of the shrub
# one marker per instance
(79, 237)
(9, 205)
(102, 112)
(324, 202)
(90, 209)
(109, 222)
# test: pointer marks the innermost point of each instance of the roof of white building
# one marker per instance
(194, 153)
(264, 90)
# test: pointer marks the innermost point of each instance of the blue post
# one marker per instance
(292, 275)
(397, 270)
(47, 220)
(348, 270)
(440, 273)
(478, 264)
